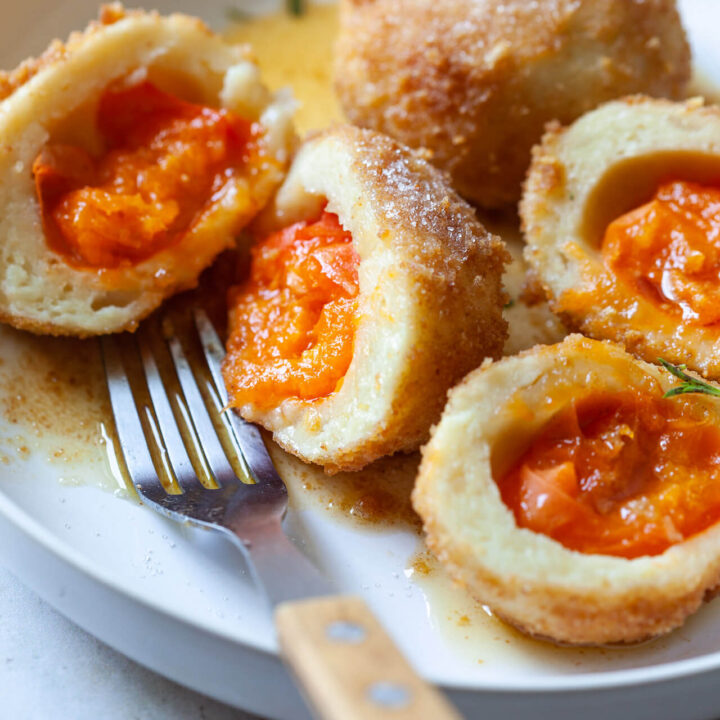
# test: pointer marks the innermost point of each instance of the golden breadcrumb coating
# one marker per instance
(473, 82)
(11, 80)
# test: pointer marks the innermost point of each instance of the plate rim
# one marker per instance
(12, 512)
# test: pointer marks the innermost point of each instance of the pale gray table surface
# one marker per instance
(50, 668)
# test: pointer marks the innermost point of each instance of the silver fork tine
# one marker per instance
(213, 349)
(214, 352)
(250, 515)
(249, 439)
(214, 452)
(177, 455)
(127, 423)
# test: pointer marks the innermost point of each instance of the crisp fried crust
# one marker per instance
(525, 577)
(430, 301)
(53, 98)
(473, 82)
(11, 80)
(583, 177)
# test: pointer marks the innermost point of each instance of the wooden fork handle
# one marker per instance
(349, 668)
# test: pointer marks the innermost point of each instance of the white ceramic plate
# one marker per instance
(181, 602)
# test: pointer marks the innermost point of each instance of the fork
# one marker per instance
(343, 660)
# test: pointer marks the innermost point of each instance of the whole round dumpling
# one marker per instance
(372, 289)
(131, 156)
(621, 214)
(473, 82)
(564, 491)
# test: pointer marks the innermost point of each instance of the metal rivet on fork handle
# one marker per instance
(348, 632)
(389, 695)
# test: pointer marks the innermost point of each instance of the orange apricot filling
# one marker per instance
(165, 161)
(619, 474)
(669, 251)
(293, 320)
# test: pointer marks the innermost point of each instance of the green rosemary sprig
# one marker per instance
(296, 7)
(236, 15)
(689, 384)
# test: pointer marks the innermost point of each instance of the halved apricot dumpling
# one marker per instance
(621, 213)
(372, 289)
(569, 495)
(131, 157)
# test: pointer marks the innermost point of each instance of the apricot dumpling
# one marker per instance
(372, 290)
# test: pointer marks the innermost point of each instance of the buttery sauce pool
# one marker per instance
(296, 52)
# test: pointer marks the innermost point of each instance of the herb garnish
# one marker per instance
(689, 384)
(509, 304)
(236, 15)
(296, 7)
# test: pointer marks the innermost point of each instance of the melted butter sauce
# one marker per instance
(297, 52)
(53, 398)
(481, 638)
(375, 497)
